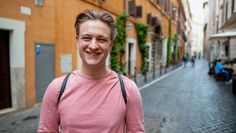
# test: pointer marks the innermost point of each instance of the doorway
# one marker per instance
(44, 68)
(5, 95)
(131, 58)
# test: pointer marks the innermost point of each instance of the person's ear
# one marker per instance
(76, 37)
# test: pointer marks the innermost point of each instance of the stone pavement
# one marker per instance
(189, 101)
(26, 121)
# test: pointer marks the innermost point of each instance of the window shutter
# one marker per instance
(161, 3)
(232, 9)
(132, 8)
(178, 27)
(100, 1)
(154, 20)
(139, 11)
(149, 18)
(174, 11)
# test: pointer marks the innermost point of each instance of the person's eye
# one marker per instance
(86, 38)
(102, 40)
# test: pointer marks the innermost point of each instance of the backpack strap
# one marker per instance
(63, 87)
(122, 86)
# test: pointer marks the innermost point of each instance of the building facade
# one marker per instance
(221, 30)
(188, 25)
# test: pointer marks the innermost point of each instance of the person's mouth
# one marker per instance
(93, 53)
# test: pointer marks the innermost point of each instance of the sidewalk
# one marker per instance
(158, 74)
(26, 121)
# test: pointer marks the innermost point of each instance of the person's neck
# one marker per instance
(94, 72)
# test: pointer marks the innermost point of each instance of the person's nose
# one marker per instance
(93, 45)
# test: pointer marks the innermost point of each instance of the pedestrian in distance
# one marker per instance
(96, 99)
(193, 61)
(185, 60)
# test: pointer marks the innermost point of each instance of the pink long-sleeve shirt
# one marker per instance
(92, 106)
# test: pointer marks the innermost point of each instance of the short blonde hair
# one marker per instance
(92, 14)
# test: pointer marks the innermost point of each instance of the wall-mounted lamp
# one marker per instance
(174, 8)
(38, 2)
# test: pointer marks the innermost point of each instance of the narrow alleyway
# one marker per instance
(189, 101)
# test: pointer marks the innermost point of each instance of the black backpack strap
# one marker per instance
(122, 86)
(63, 87)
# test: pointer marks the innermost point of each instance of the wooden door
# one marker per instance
(5, 95)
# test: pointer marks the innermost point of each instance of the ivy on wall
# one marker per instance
(118, 50)
(176, 49)
(141, 30)
(169, 41)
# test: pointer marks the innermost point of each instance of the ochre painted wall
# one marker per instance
(40, 27)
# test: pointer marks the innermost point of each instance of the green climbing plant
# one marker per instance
(175, 52)
(169, 41)
(141, 30)
(118, 50)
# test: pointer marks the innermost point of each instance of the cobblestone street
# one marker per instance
(183, 101)
(189, 101)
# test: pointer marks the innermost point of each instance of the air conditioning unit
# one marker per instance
(100, 1)
(38, 2)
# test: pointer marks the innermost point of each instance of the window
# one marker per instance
(178, 27)
(174, 11)
(232, 10)
(38, 2)
(167, 6)
(226, 11)
(100, 1)
(139, 11)
(154, 20)
(132, 8)
(149, 18)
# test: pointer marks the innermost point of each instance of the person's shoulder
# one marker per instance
(129, 84)
(57, 82)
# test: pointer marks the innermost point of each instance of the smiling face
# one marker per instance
(94, 43)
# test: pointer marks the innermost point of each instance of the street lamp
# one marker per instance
(174, 8)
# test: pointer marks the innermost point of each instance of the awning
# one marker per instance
(223, 35)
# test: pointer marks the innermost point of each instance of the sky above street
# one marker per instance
(196, 9)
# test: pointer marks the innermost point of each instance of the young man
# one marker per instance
(92, 101)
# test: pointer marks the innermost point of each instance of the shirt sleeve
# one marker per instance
(49, 117)
(134, 114)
